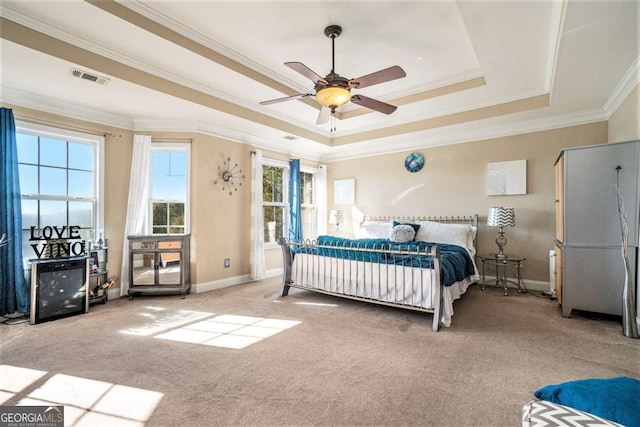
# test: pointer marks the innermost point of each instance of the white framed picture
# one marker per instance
(344, 191)
(507, 178)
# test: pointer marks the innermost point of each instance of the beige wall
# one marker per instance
(624, 124)
(453, 182)
(118, 151)
(219, 221)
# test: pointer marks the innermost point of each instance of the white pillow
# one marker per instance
(451, 234)
(374, 230)
(402, 233)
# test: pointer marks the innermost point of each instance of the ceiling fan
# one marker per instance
(334, 91)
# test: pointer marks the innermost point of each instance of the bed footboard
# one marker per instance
(287, 259)
(404, 278)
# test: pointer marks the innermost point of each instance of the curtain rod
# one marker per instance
(63, 126)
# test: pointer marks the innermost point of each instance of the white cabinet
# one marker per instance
(589, 258)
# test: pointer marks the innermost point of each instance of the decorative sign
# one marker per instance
(57, 241)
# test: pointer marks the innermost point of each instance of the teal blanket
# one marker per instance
(455, 260)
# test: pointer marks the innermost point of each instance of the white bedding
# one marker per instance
(382, 282)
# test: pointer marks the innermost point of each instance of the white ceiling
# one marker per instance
(475, 69)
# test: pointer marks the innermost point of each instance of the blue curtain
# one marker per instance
(14, 295)
(295, 202)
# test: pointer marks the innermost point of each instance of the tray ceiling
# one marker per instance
(475, 69)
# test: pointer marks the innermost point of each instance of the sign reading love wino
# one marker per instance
(58, 240)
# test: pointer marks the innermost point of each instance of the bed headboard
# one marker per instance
(470, 220)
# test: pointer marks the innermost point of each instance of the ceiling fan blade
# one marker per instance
(323, 117)
(306, 71)
(374, 104)
(381, 76)
(286, 98)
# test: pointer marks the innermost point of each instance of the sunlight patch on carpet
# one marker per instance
(86, 402)
(228, 330)
(14, 379)
(153, 320)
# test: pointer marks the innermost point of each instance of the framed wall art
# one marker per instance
(344, 191)
(507, 178)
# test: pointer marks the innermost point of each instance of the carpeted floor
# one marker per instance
(161, 361)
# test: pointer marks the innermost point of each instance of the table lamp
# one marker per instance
(501, 217)
(336, 217)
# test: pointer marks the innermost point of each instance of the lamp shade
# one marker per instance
(333, 96)
(501, 217)
(336, 217)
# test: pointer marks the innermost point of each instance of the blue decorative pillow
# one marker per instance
(615, 399)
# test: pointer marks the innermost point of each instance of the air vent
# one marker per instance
(88, 76)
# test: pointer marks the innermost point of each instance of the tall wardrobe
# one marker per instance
(594, 184)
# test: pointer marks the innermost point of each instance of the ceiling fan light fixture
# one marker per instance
(333, 96)
(334, 91)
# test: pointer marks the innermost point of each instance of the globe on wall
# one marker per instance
(414, 162)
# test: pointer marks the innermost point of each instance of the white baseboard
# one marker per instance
(231, 281)
(532, 285)
(113, 293)
(273, 273)
(197, 288)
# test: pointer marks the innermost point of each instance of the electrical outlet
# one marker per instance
(227, 262)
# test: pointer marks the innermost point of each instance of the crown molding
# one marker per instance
(627, 84)
(421, 140)
(555, 40)
(312, 150)
(123, 59)
(490, 102)
(62, 108)
(152, 14)
(308, 149)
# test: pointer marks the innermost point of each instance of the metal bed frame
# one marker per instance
(370, 271)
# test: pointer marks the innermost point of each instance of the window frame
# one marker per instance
(285, 196)
(97, 142)
(285, 191)
(170, 147)
(313, 204)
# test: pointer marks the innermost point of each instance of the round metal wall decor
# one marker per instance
(414, 162)
(230, 176)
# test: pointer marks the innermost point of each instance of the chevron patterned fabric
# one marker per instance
(540, 413)
(501, 217)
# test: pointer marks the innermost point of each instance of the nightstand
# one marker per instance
(502, 264)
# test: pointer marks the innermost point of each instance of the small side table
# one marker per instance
(502, 264)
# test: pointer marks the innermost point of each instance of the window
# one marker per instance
(273, 202)
(308, 205)
(169, 189)
(60, 183)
